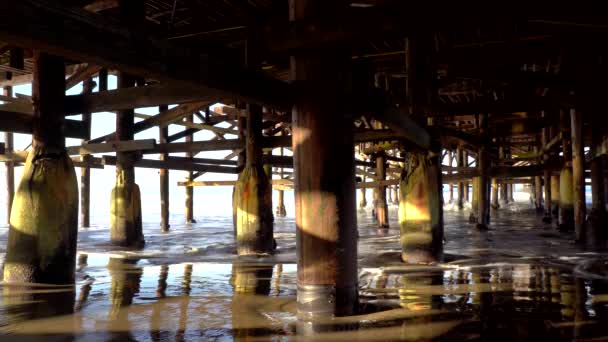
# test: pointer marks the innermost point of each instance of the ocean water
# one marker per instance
(521, 280)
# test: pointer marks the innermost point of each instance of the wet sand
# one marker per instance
(521, 280)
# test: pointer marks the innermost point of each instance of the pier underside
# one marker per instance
(374, 169)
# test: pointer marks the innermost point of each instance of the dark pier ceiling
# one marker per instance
(469, 107)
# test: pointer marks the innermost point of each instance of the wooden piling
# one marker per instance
(466, 184)
(381, 204)
(495, 205)
(363, 202)
(189, 203)
(421, 209)
(324, 168)
(9, 165)
(474, 201)
(85, 172)
(395, 193)
(280, 211)
(483, 200)
(538, 190)
(126, 223)
(566, 189)
(460, 163)
(451, 185)
(252, 198)
(164, 178)
(547, 178)
(41, 244)
(578, 174)
(555, 195)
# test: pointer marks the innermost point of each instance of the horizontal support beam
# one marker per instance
(23, 123)
(114, 146)
(174, 165)
(134, 97)
(162, 119)
(230, 183)
(375, 184)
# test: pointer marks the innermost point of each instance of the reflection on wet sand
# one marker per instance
(249, 281)
(498, 287)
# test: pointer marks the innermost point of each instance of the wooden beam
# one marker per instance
(23, 123)
(162, 119)
(114, 146)
(174, 165)
(400, 121)
(88, 37)
(134, 97)
(81, 75)
(230, 183)
(101, 5)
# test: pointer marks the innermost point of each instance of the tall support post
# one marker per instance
(547, 179)
(281, 212)
(474, 200)
(395, 196)
(451, 185)
(483, 200)
(502, 187)
(10, 166)
(189, 203)
(85, 172)
(460, 163)
(465, 158)
(125, 217)
(510, 193)
(41, 244)
(538, 188)
(421, 209)
(597, 216)
(241, 159)
(242, 136)
(126, 223)
(164, 177)
(578, 174)
(363, 202)
(495, 204)
(326, 222)
(566, 189)
(252, 197)
(555, 195)
(381, 204)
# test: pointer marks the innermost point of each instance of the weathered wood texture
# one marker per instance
(164, 178)
(483, 204)
(41, 244)
(85, 172)
(381, 205)
(189, 199)
(461, 184)
(10, 167)
(578, 174)
(421, 210)
(125, 216)
(326, 235)
(252, 197)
